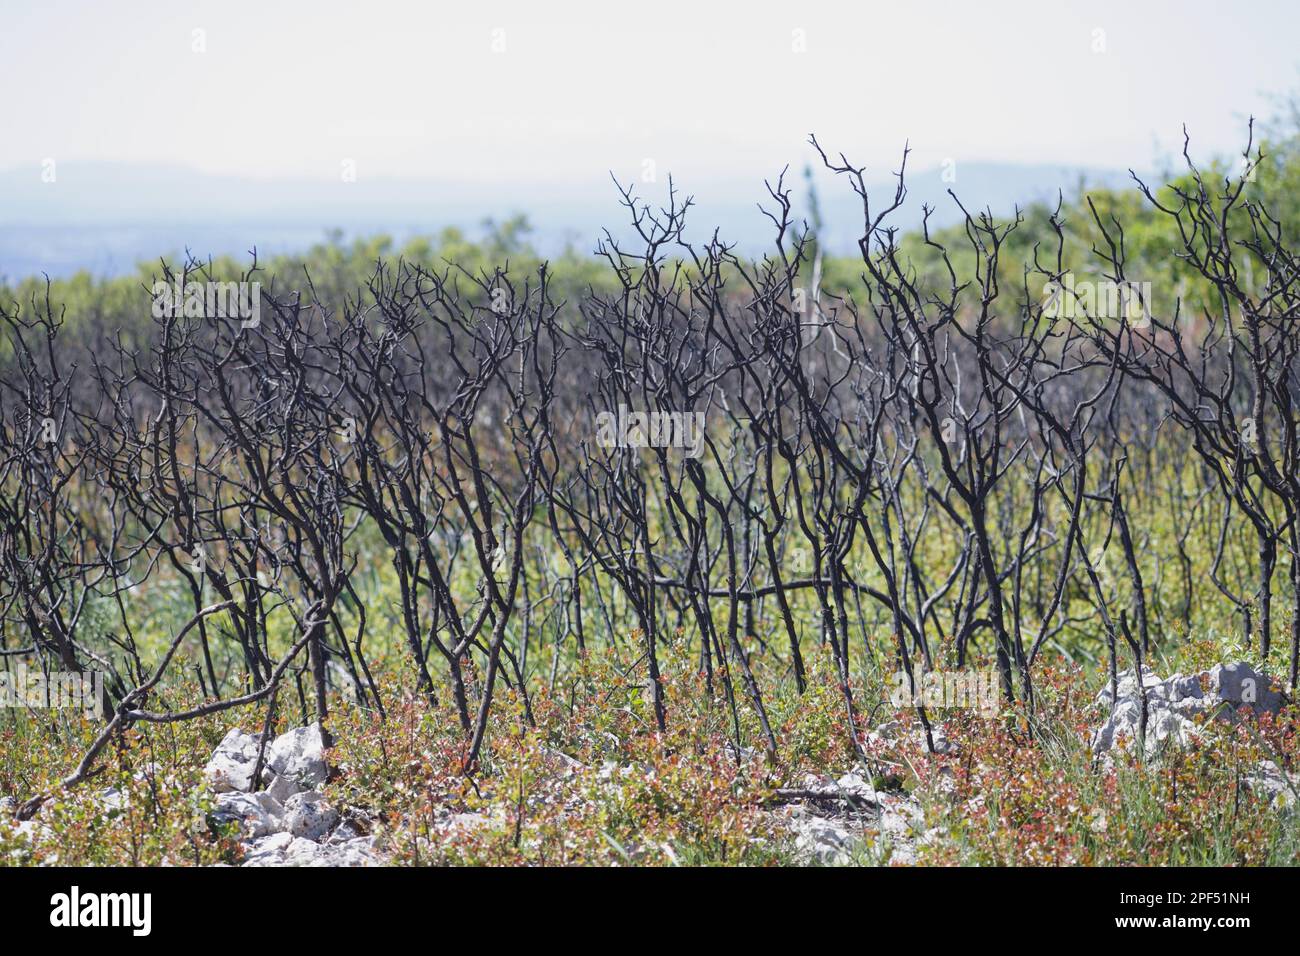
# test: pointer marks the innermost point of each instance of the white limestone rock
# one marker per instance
(1281, 788)
(267, 850)
(299, 756)
(285, 849)
(901, 818)
(281, 788)
(356, 852)
(1176, 704)
(855, 785)
(259, 814)
(342, 833)
(1239, 684)
(824, 840)
(232, 763)
(309, 815)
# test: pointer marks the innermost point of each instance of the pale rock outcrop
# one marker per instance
(232, 763)
(1177, 705)
(293, 761)
(267, 850)
(281, 788)
(289, 823)
(828, 841)
(299, 756)
(284, 849)
(1282, 788)
(310, 816)
(259, 814)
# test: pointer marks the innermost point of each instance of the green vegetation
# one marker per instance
(655, 748)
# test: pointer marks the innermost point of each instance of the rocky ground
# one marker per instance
(272, 797)
(847, 819)
(285, 819)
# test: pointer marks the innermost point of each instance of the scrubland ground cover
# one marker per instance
(446, 506)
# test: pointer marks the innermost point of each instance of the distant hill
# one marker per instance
(106, 217)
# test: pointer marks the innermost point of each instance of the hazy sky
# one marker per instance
(711, 91)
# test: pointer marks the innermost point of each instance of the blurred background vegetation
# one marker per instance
(337, 269)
